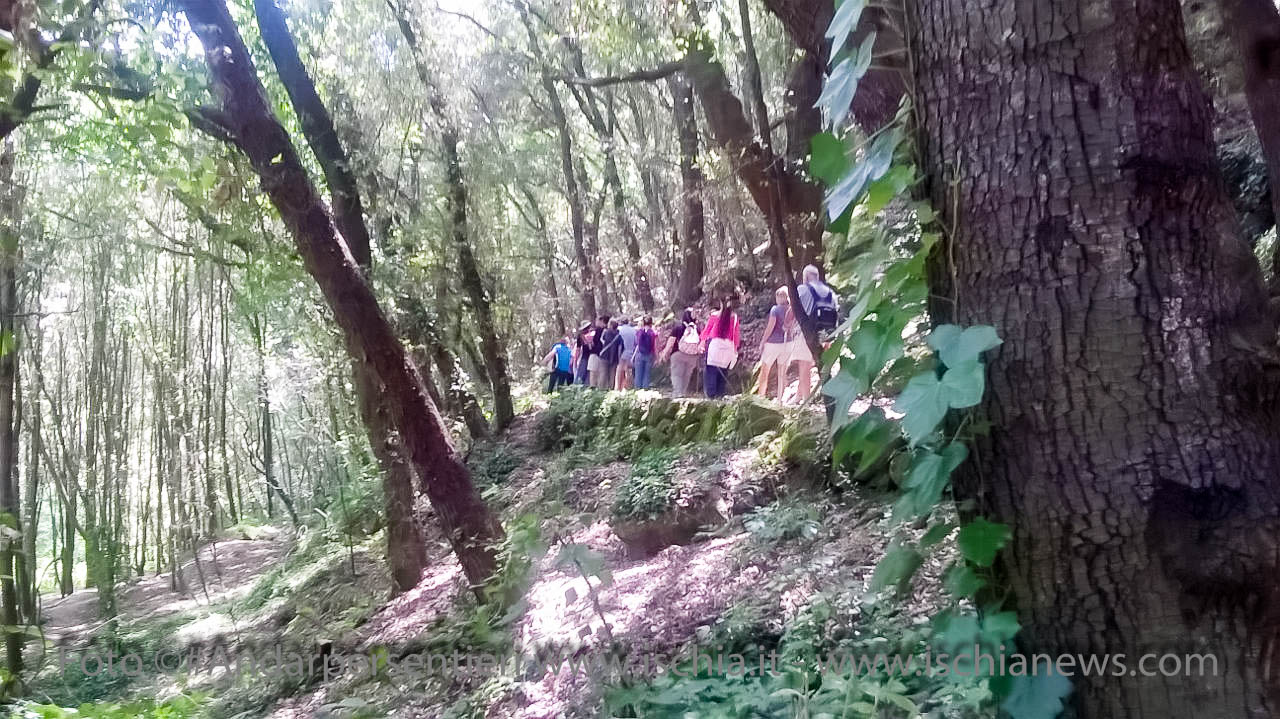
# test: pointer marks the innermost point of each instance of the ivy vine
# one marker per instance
(868, 354)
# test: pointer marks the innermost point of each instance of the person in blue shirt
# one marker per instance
(560, 360)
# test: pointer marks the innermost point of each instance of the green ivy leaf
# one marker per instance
(963, 384)
(956, 347)
(962, 582)
(936, 533)
(1037, 695)
(843, 389)
(869, 437)
(880, 192)
(1000, 627)
(845, 20)
(872, 167)
(980, 540)
(841, 85)
(897, 568)
(844, 192)
(953, 631)
(874, 345)
(926, 480)
(923, 404)
(828, 159)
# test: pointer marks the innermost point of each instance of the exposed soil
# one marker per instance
(226, 571)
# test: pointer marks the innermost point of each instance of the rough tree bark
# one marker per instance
(472, 529)
(1255, 25)
(693, 224)
(406, 551)
(1134, 446)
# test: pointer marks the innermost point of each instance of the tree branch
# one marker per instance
(660, 72)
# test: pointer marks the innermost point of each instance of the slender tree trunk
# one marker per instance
(31, 482)
(692, 261)
(471, 528)
(9, 610)
(604, 128)
(495, 357)
(573, 193)
(1134, 444)
(777, 209)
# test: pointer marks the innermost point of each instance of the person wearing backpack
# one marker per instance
(625, 373)
(646, 344)
(684, 350)
(819, 301)
(722, 339)
(822, 305)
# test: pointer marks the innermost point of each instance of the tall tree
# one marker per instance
(9, 611)
(495, 356)
(573, 191)
(1134, 443)
(406, 552)
(471, 527)
(693, 227)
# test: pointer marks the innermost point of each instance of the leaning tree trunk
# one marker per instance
(406, 552)
(1134, 443)
(471, 528)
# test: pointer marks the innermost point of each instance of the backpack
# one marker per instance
(689, 341)
(644, 342)
(824, 310)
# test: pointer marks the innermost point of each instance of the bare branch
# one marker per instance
(660, 72)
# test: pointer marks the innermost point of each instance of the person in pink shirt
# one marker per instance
(721, 340)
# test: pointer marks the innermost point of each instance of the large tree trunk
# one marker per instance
(1134, 446)
(693, 225)
(776, 188)
(471, 528)
(406, 551)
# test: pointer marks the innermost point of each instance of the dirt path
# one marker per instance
(226, 570)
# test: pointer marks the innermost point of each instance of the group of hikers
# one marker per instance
(613, 353)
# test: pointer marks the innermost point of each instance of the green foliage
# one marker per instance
(890, 288)
(650, 488)
(493, 465)
(790, 519)
(179, 707)
(520, 549)
(980, 540)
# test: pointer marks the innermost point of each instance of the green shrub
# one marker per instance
(650, 488)
(494, 465)
(179, 707)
